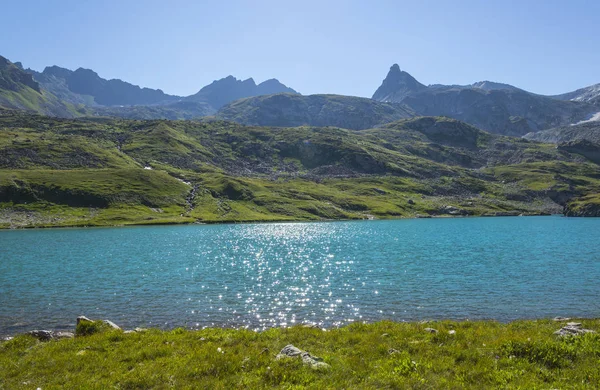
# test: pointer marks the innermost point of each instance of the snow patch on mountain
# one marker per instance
(594, 118)
(587, 94)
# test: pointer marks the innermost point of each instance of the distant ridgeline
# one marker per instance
(494, 107)
(93, 95)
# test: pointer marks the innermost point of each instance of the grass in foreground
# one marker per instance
(521, 354)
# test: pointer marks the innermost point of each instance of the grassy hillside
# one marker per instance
(98, 171)
(454, 355)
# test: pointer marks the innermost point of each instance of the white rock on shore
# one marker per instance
(289, 351)
(573, 329)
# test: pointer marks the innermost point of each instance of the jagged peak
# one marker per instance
(232, 79)
(249, 81)
(396, 75)
(273, 85)
(86, 71)
(57, 71)
(14, 76)
(397, 85)
(4, 61)
(270, 81)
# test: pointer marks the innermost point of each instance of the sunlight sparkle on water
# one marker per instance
(281, 274)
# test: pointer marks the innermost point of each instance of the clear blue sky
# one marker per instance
(343, 47)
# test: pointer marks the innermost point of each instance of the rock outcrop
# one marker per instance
(583, 94)
(584, 147)
(588, 131)
(19, 91)
(588, 206)
(397, 85)
(12, 77)
(573, 329)
(47, 335)
(86, 326)
(289, 351)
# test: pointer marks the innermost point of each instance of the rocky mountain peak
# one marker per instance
(4, 61)
(397, 85)
(493, 86)
(86, 72)
(57, 71)
(228, 89)
(13, 77)
(271, 86)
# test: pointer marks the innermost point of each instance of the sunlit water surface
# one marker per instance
(281, 274)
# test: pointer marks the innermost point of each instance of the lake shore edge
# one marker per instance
(283, 220)
(107, 324)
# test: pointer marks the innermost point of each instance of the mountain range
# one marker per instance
(117, 97)
(77, 149)
(495, 107)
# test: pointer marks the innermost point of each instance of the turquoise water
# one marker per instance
(280, 274)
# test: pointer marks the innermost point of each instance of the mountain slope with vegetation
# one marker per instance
(583, 138)
(61, 172)
(18, 90)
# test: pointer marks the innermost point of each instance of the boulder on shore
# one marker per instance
(289, 351)
(573, 329)
(112, 324)
(47, 335)
(42, 335)
(86, 326)
(81, 319)
(561, 319)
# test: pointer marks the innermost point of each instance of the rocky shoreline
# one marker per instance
(454, 214)
(86, 326)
